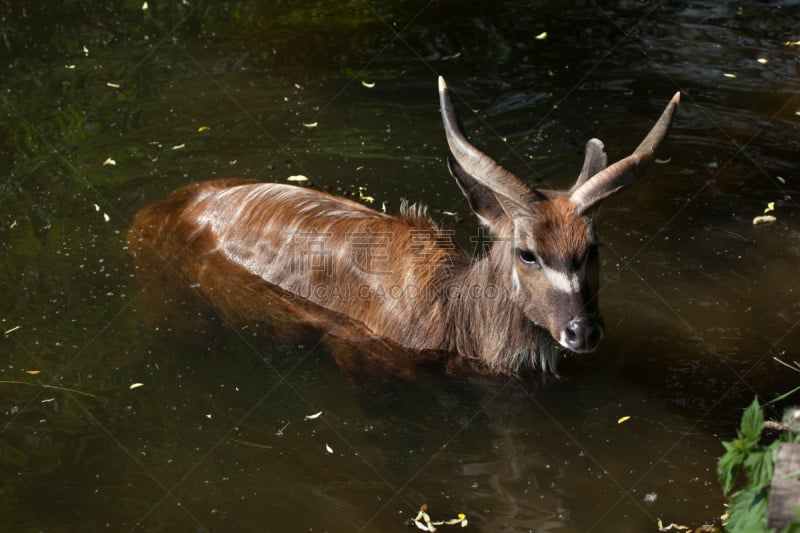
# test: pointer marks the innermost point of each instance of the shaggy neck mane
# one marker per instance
(487, 326)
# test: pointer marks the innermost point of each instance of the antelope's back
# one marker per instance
(253, 250)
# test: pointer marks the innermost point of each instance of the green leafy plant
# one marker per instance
(747, 509)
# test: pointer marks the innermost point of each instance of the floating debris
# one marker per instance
(763, 60)
(312, 417)
(365, 197)
(136, 386)
(671, 527)
(328, 448)
(423, 520)
(179, 146)
(279, 433)
(201, 129)
(542, 36)
(298, 178)
(764, 220)
(252, 444)
(770, 207)
(729, 74)
(113, 85)
(623, 419)
(311, 125)
(368, 85)
(109, 162)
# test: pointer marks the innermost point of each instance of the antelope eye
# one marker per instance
(527, 257)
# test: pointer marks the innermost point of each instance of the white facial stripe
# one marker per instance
(531, 244)
(515, 279)
(563, 281)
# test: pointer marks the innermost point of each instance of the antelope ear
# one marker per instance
(588, 195)
(594, 161)
(481, 199)
(492, 208)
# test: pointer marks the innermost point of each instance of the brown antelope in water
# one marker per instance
(259, 251)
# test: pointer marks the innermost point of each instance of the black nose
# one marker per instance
(582, 334)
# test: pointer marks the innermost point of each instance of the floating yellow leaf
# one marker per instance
(297, 178)
(542, 36)
(365, 197)
(623, 419)
(33, 372)
(136, 385)
(764, 220)
(201, 129)
(368, 85)
(770, 207)
(312, 417)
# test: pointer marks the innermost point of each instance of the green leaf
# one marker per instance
(752, 422)
(728, 468)
(759, 467)
(748, 511)
(783, 396)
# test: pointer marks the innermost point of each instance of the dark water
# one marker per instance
(697, 300)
